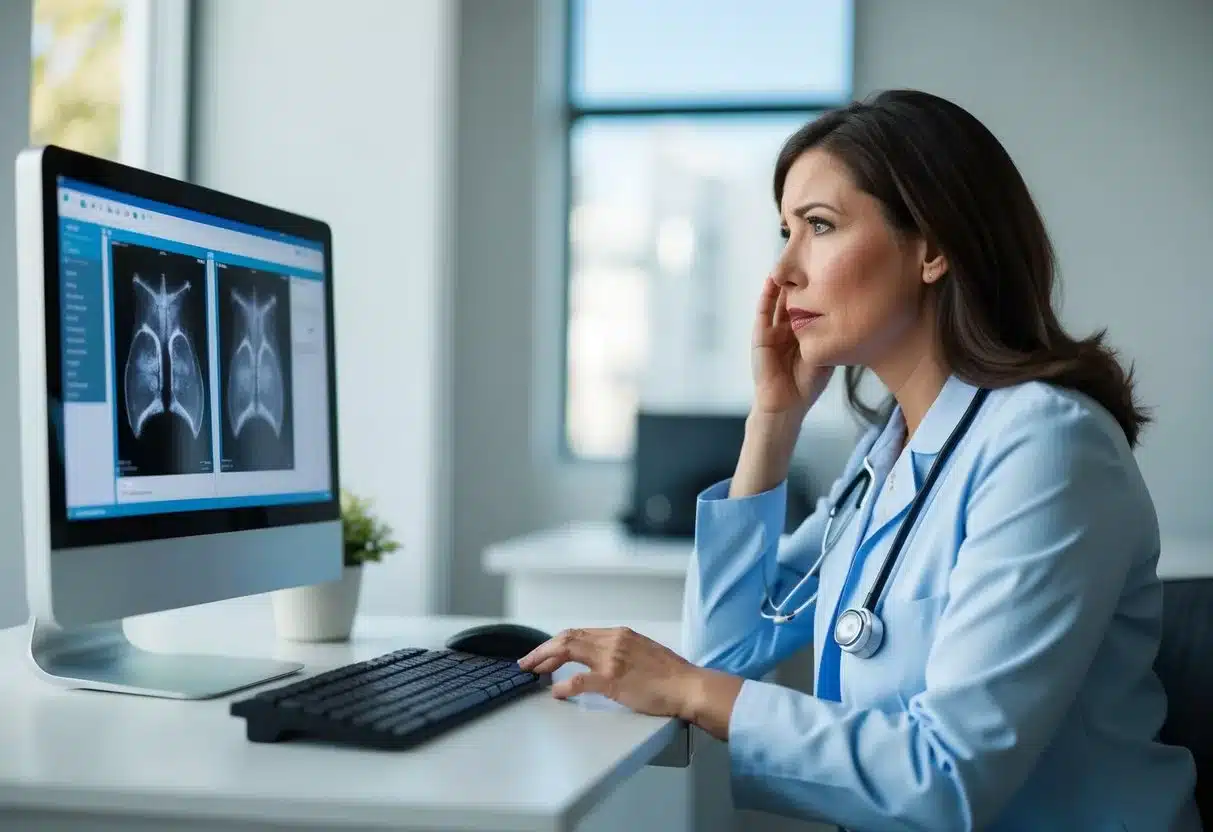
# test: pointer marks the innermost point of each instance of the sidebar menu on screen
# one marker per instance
(82, 314)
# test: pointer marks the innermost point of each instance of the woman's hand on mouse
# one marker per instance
(639, 674)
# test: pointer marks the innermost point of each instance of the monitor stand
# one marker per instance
(101, 657)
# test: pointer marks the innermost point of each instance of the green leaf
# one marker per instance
(367, 538)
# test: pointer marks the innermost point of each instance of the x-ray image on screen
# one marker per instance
(255, 370)
(161, 362)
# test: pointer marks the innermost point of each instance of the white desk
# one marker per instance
(1183, 558)
(73, 759)
(591, 569)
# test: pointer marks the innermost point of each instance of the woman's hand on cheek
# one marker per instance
(625, 666)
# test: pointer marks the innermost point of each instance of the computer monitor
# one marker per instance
(178, 414)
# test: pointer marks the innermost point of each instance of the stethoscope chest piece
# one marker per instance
(859, 631)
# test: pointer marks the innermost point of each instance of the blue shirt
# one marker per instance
(1014, 689)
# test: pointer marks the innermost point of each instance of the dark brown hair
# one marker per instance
(940, 173)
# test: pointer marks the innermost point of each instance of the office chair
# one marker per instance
(1183, 664)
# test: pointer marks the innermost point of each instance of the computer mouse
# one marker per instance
(500, 640)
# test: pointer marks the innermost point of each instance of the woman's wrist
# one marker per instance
(775, 432)
(708, 698)
(766, 451)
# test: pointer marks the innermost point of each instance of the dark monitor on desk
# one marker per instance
(678, 455)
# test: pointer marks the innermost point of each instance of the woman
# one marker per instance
(999, 674)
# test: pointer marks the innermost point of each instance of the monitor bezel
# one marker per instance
(57, 163)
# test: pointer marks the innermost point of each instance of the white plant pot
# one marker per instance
(318, 612)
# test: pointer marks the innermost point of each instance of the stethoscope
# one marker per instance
(861, 631)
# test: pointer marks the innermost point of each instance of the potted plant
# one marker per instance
(325, 612)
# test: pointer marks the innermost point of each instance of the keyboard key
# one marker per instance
(378, 713)
(456, 705)
(400, 726)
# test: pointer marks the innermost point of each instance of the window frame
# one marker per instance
(156, 98)
(154, 118)
(573, 112)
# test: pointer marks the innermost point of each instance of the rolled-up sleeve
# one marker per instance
(1049, 522)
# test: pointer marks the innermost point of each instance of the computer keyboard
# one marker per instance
(392, 701)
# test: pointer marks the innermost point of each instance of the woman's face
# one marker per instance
(853, 284)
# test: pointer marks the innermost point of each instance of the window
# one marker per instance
(109, 79)
(676, 110)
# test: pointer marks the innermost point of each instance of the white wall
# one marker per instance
(342, 111)
(14, 135)
(1107, 105)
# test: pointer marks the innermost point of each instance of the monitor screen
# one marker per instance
(193, 360)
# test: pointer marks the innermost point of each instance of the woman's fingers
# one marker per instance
(568, 646)
(781, 316)
(549, 665)
(622, 665)
(772, 313)
(769, 301)
(581, 683)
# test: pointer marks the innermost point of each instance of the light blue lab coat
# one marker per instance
(1014, 688)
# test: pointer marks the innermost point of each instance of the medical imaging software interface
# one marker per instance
(193, 359)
